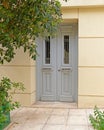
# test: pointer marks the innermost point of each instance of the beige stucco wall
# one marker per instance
(91, 62)
(90, 53)
(81, 3)
(21, 69)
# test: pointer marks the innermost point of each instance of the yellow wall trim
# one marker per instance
(92, 95)
(18, 65)
(90, 37)
(25, 93)
(91, 67)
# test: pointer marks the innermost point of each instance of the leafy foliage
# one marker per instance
(97, 120)
(21, 21)
(6, 98)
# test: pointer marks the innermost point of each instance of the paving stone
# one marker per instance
(56, 116)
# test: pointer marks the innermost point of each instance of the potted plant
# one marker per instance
(7, 89)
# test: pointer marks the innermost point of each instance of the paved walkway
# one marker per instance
(50, 117)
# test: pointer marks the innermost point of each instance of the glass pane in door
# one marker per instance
(66, 49)
(47, 50)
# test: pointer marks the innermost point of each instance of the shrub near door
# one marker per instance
(7, 89)
(4, 117)
(97, 119)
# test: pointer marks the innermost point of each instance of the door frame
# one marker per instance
(39, 59)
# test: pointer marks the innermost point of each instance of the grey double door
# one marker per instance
(57, 66)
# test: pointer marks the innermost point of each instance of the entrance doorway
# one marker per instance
(57, 66)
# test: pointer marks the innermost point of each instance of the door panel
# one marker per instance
(66, 89)
(48, 88)
(65, 67)
(57, 66)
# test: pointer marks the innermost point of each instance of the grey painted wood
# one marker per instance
(58, 81)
